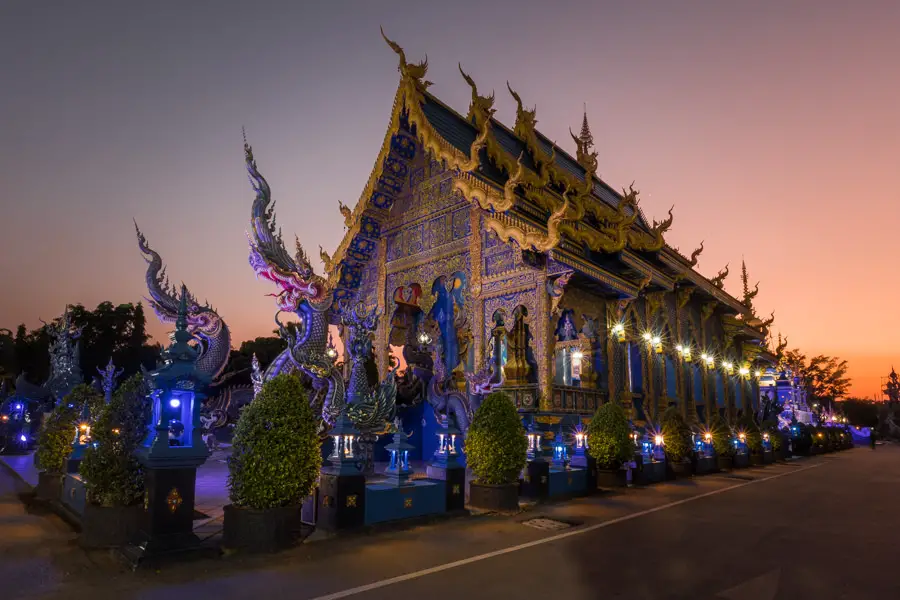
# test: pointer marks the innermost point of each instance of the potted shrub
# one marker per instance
(722, 443)
(274, 466)
(113, 478)
(610, 444)
(776, 442)
(55, 445)
(496, 451)
(753, 439)
(677, 438)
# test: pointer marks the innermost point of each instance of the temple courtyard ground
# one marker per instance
(823, 528)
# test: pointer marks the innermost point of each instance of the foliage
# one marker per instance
(108, 331)
(721, 437)
(752, 435)
(239, 366)
(825, 377)
(892, 387)
(676, 435)
(276, 453)
(776, 436)
(609, 437)
(496, 446)
(859, 411)
(112, 474)
(55, 441)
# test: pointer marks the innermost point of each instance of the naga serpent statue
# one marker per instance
(204, 323)
(310, 297)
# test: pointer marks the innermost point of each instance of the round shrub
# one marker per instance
(753, 436)
(276, 453)
(496, 446)
(112, 475)
(721, 437)
(676, 435)
(58, 432)
(609, 437)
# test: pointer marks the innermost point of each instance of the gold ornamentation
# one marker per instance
(482, 107)
(538, 241)
(655, 302)
(346, 212)
(174, 500)
(407, 502)
(351, 501)
(456, 489)
(695, 255)
(719, 280)
(683, 296)
(546, 420)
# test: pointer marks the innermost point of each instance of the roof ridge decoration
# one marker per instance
(695, 255)
(719, 279)
(584, 142)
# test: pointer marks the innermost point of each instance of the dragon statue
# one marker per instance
(310, 297)
(204, 323)
(443, 396)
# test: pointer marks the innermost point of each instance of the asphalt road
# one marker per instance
(823, 528)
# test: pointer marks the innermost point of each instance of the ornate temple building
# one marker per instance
(500, 261)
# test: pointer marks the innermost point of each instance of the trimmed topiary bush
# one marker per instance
(753, 436)
(276, 453)
(58, 432)
(609, 437)
(676, 435)
(112, 475)
(721, 437)
(496, 446)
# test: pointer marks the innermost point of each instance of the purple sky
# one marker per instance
(772, 126)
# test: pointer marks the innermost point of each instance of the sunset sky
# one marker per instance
(773, 127)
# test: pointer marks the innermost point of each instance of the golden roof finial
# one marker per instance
(416, 71)
(482, 107)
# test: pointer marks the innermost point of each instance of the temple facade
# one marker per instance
(500, 261)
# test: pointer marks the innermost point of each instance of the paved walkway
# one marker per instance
(819, 528)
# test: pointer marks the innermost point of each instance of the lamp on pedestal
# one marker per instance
(342, 484)
(447, 465)
(580, 459)
(560, 450)
(172, 449)
(398, 470)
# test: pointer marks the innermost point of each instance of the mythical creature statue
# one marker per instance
(370, 410)
(108, 377)
(310, 297)
(443, 396)
(256, 375)
(65, 357)
(555, 290)
(204, 323)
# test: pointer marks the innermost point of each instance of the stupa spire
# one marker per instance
(585, 136)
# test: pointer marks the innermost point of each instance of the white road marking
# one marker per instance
(553, 538)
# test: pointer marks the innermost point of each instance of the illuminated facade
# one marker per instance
(499, 261)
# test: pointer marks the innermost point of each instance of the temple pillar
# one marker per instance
(477, 307)
(383, 331)
(543, 344)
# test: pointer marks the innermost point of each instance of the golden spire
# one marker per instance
(586, 138)
(584, 143)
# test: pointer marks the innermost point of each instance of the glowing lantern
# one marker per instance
(447, 455)
(619, 331)
(342, 459)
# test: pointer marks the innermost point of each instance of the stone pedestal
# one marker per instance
(455, 478)
(536, 481)
(342, 500)
(168, 519)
